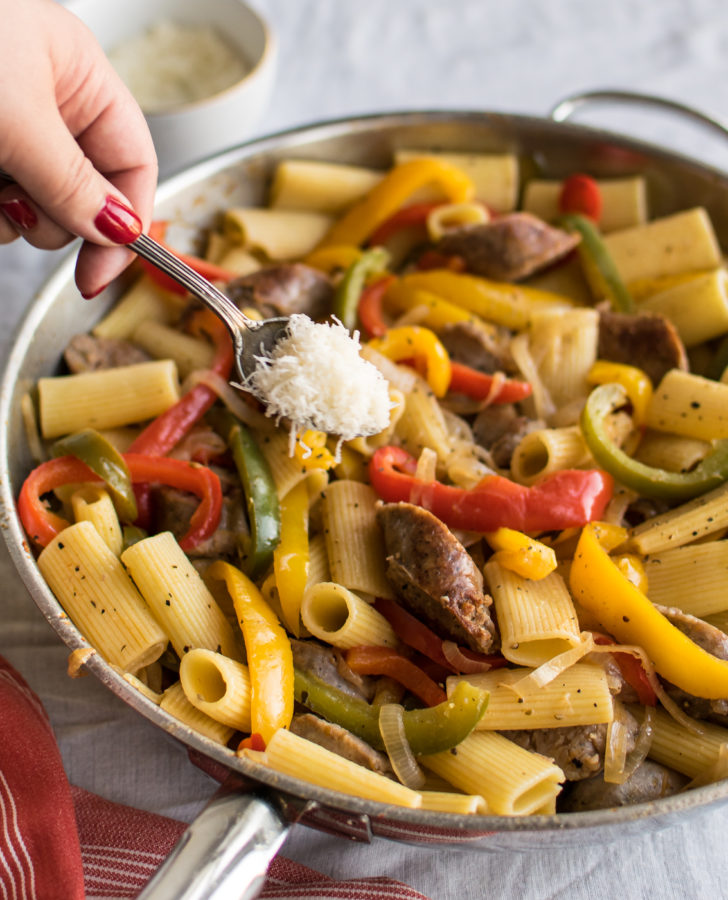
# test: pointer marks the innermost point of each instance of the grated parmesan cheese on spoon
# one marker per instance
(316, 378)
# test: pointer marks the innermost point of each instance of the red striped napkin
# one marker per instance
(57, 840)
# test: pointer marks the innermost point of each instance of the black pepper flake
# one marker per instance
(186, 649)
(304, 697)
(454, 751)
(168, 602)
(625, 618)
(61, 546)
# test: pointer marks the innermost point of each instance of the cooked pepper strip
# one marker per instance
(442, 726)
(648, 481)
(422, 345)
(563, 500)
(632, 672)
(311, 451)
(599, 268)
(636, 383)
(270, 659)
(261, 498)
(390, 194)
(627, 614)
(370, 306)
(348, 291)
(440, 313)
(386, 661)
(291, 556)
(417, 635)
(330, 259)
(581, 194)
(406, 217)
(522, 554)
(208, 270)
(480, 386)
(168, 429)
(105, 460)
(42, 525)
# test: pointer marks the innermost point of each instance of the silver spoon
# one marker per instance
(251, 339)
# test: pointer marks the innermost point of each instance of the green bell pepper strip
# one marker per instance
(261, 497)
(348, 291)
(104, 460)
(429, 730)
(646, 480)
(598, 265)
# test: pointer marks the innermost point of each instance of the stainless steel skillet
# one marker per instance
(255, 815)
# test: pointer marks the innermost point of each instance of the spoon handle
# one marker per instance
(200, 287)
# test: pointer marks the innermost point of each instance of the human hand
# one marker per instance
(73, 139)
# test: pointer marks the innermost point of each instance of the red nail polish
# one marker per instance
(19, 213)
(117, 222)
(94, 293)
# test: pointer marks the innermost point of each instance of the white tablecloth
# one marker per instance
(339, 57)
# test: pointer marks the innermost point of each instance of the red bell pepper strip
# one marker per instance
(385, 661)
(406, 217)
(581, 194)
(208, 270)
(567, 499)
(417, 635)
(632, 671)
(253, 742)
(369, 310)
(479, 385)
(42, 525)
(433, 259)
(168, 429)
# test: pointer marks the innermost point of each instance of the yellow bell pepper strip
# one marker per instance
(648, 481)
(331, 259)
(311, 451)
(402, 296)
(632, 567)
(571, 497)
(636, 383)
(599, 269)
(290, 558)
(348, 291)
(522, 554)
(626, 613)
(105, 460)
(392, 192)
(261, 496)
(511, 305)
(270, 659)
(422, 345)
(442, 726)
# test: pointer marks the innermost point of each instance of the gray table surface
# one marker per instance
(340, 57)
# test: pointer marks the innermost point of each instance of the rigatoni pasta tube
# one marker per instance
(340, 617)
(676, 747)
(91, 503)
(513, 781)
(163, 342)
(280, 234)
(321, 187)
(353, 538)
(548, 450)
(287, 470)
(624, 201)
(565, 347)
(178, 596)
(537, 619)
(698, 308)
(294, 755)
(692, 578)
(578, 696)
(689, 405)
(176, 704)
(218, 686)
(96, 592)
(682, 525)
(143, 301)
(106, 398)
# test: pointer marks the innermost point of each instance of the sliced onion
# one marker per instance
(230, 396)
(462, 663)
(401, 757)
(426, 465)
(616, 770)
(552, 668)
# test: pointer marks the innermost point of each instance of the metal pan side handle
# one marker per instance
(224, 853)
(566, 108)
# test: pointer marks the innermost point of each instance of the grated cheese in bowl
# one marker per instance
(170, 65)
(316, 378)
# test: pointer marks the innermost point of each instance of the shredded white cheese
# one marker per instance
(316, 378)
(170, 65)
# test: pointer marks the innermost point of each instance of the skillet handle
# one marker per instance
(565, 108)
(224, 853)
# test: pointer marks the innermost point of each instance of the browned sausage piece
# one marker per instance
(649, 781)
(340, 741)
(578, 750)
(645, 340)
(172, 510)
(328, 664)
(435, 577)
(86, 353)
(509, 248)
(284, 290)
(479, 346)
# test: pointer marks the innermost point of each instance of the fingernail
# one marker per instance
(94, 293)
(19, 213)
(117, 222)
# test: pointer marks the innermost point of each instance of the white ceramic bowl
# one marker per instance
(191, 132)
